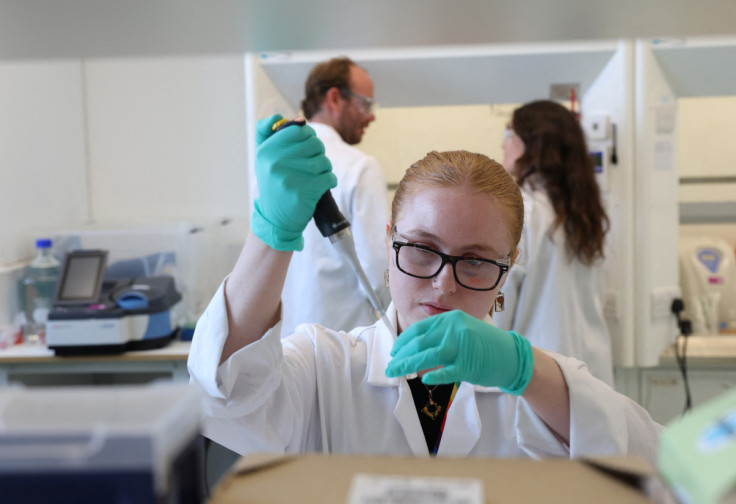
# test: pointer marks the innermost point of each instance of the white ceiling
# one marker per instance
(102, 28)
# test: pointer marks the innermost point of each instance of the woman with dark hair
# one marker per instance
(554, 294)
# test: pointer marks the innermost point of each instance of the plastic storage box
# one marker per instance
(131, 444)
(197, 254)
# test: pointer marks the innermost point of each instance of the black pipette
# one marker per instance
(333, 225)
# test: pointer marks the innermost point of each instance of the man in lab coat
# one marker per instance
(320, 285)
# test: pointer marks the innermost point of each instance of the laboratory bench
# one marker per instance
(36, 365)
(711, 370)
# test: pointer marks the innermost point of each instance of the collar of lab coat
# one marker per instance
(462, 427)
(380, 355)
(325, 131)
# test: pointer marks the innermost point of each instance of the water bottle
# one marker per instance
(37, 290)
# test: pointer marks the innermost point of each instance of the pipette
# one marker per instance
(333, 225)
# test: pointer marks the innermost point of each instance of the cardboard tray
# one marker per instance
(327, 479)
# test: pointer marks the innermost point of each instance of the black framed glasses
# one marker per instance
(366, 103)
(473, 273)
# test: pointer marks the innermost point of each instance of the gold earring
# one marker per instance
(500, 304)
(385, 278)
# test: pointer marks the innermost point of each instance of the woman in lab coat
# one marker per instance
(553, 294)
(456, 220)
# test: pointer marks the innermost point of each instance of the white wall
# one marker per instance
(42, 151)
(403, 135)
(167, 138)
(707, 133)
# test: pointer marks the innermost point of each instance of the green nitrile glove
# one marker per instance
(467, 349)
(293, 174)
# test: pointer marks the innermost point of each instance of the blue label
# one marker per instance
(719, 434)
(710, 258)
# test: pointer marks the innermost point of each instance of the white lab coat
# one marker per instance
(325, 391)
(321, 286)
(553, 300)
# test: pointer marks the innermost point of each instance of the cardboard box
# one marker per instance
(327, 479)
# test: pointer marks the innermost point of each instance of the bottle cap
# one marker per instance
(43, 243)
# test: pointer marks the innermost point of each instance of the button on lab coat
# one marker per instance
(324, 391)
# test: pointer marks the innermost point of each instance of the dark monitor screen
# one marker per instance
(81, 278)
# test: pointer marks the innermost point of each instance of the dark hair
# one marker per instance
(557, 158)
(476, 173)
(322, 78)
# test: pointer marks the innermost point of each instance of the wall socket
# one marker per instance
(661, 301)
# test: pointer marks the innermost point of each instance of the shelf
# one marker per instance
(710, 212)
(456, 76)
(698, 67)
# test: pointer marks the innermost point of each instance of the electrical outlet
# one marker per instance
(596, 126)
(661, 301)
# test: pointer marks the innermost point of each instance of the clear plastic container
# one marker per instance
(37, 290)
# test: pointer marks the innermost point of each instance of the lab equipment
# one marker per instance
(708, 281)
(36, 291)
(467, 349)
(198, 254)
(92, 315)
(333, 225)
(110, 444)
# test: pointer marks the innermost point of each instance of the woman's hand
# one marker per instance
(463, 348)
(293, 173)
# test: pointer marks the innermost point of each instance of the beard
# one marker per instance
(350, 129)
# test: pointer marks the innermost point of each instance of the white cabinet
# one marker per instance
(663, 391)
(711, 370)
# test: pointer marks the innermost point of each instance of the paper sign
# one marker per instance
(663, 155)
(374, 489)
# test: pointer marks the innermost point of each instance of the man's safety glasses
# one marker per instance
(366, 103)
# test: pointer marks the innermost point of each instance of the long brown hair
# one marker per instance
(557, 158)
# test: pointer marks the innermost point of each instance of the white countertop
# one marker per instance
(715, 350)
(176, 350)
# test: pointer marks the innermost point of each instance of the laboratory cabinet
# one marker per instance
(710, 369)
(36, 365)
(661, 389)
